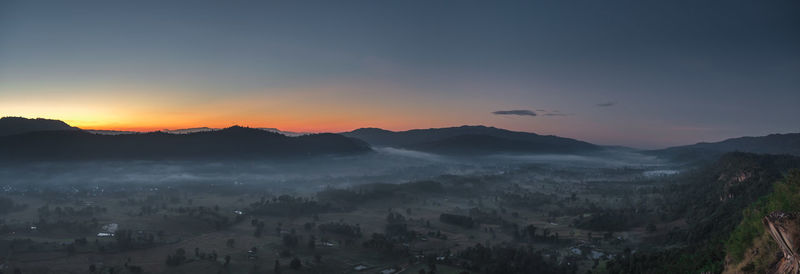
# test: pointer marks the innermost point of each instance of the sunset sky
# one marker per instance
(623, 73)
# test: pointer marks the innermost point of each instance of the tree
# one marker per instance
(92, 268)
(531, 231)
(295, 263)
(651, 227)
(312, 243)
(277, 267)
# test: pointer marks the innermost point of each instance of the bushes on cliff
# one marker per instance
(784, 197)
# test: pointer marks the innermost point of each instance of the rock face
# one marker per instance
(785, 230)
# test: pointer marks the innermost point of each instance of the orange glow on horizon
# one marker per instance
(283, 126)
(329, 107)
(316, 108)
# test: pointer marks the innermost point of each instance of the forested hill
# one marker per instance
(769, 144)
(230, 143)
(471, 140)
(19, 125)
(711, 199)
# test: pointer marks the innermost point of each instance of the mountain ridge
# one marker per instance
(12, 125)
(233, 142)
(470, 139)
(777, 143)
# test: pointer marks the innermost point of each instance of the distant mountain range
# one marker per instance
(189, 130)
(18, 125)
(22, 138)
(465, 140)
(770, 144)
(48, 140)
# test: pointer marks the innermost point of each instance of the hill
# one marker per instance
(769, 144)
(471, 140)
(713, 200)
(750, 247)
(19, 125)
(230, 143)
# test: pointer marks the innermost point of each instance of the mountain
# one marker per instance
(770, 144)
(109, 132)
(471, 140)
(287, 133)
(18, 125)
(189, 130)
(230, 143)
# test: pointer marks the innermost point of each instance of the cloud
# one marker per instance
(606, 104)
(520, 112)
(554, 112)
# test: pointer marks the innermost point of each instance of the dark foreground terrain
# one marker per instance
(527, 219)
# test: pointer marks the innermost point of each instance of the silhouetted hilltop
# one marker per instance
(234, 142)
(471, 140)
(18, 125)
(770, 144)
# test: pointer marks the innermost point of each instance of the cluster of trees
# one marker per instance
(382, 242)
(290, 240)
(509, 259)
(68, 211)
(484, 217)
(526, 199)
(210, 215)
(7, 205)
(705, 258)
(397, 230)
(341, 229)
(459, 220)
(287, 206)
(259, 225)
(528, 233)
(127, 239)
(349, 199)
(614, 220)
(178, 258)
(68, 225)
(395, 218)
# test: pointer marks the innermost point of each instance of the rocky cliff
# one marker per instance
(785, 230)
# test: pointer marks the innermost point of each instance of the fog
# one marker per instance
(385, 165)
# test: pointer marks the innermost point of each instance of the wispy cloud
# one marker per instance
(606, 104)
(525, 112)
(519, 112)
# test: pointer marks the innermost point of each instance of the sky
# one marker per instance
(645, 74)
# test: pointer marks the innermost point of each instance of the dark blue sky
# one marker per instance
(638, 73)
